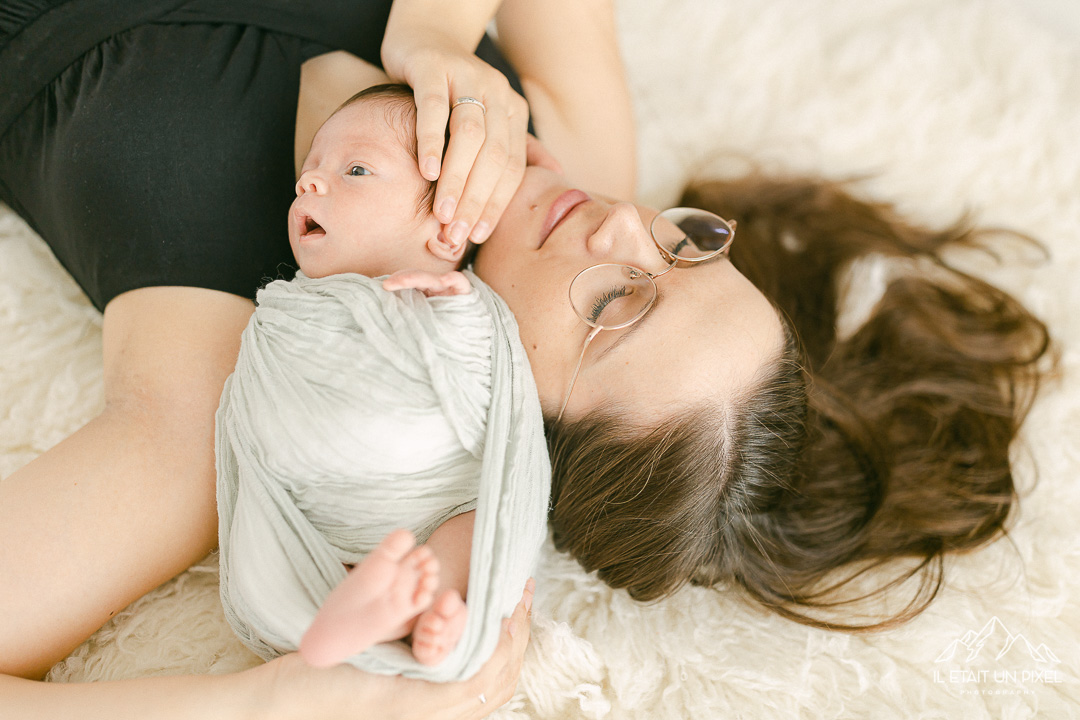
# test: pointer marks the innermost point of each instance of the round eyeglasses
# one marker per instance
(610, 296)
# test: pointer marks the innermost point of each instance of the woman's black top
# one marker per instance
(150, 142)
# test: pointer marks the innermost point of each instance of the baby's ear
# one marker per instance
(441, 247)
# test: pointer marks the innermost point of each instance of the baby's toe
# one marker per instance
(395, 546)
(427, 644)
(425, 589)
(449, 604)
(421, 561)
(438, 629)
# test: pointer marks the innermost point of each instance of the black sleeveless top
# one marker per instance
(40, 38)
(150, 142)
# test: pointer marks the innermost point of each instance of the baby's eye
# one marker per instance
(356, 170)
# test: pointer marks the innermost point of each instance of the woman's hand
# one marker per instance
(296, 690)
(485, 158)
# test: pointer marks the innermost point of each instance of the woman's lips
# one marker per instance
(559, 210)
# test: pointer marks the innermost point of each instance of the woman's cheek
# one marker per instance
(545, 370)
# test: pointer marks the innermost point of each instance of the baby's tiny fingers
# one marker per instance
(412, 280)
(432, 285)
(455, 283)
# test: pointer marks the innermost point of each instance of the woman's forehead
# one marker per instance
(709, 335)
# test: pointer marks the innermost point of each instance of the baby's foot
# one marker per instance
(374, 601)
(438, 628)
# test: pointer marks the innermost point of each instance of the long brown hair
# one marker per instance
(846, 454)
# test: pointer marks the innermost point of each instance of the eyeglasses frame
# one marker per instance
(668, 257)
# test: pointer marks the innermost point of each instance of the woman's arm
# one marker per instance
(567, 54)
(189, 696)
(285, 688)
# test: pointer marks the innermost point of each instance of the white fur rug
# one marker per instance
(954, 105)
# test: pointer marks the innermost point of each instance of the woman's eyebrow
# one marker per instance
(633, 328)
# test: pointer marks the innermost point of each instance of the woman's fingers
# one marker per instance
(484, 159)
(510, 178)
(485, 174)
(432, 96)
(430, 140)
(484, 162)
(470, 129)
(520, 623)
(497, 680)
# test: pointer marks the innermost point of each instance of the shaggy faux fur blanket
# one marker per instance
(354, 411)
(946, 107)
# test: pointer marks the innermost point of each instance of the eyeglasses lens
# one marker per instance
(611, 295)
(688, 233)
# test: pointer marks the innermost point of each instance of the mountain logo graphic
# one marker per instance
(995, 640)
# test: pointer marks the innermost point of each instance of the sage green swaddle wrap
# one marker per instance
(354, 411)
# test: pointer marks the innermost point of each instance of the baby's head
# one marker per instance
(361, 204)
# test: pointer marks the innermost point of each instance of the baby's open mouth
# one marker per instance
(311, 228)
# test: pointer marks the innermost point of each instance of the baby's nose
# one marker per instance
(309, 182)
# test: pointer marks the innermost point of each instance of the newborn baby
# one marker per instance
(393, 454)
(362, 207)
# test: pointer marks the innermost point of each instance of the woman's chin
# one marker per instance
(520, 226)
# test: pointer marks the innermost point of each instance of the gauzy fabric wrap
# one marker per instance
(354, 411)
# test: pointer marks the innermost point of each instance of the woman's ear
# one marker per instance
(441, 247)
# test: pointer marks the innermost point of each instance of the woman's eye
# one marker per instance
(356, 170)
(682, 245)
(602, 300)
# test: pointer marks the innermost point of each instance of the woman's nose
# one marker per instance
(623, 237)
(310, 181)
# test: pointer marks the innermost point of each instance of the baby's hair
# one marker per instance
(400, 115)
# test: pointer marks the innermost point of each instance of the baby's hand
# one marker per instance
(432, 285)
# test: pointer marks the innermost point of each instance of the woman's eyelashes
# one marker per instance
(601, 301)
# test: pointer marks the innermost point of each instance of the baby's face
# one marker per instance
(356, 207)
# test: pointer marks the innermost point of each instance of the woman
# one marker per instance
(125, 129)
(619, 232)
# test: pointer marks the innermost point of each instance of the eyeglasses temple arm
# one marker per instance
(577, 368)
